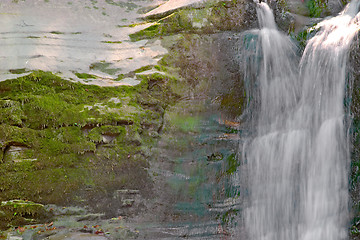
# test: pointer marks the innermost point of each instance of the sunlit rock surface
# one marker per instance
(70, 37)
(173, 4)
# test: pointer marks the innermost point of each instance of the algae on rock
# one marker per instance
(20, 212)
(73, 142)
(222, 16)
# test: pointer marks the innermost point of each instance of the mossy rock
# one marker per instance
(223, 16)
(11, 112)
(42, 100)
(20, 212)
(78, 142)
(100, 134)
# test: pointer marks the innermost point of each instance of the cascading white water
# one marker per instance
(296, 166)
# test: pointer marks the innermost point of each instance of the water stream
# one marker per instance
(296, 166)
(293, 178)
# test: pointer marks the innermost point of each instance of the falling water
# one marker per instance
(296, 165)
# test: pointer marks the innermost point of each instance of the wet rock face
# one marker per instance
(69, 143)
(354, 68)
(354, 99)
(19, 212)
(295, 15)
(210, 68)
(209, 50)
(236, 15)
(336, 6)
(313, 8)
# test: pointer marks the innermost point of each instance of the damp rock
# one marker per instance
(20, 212)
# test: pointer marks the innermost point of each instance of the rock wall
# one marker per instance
(68, 143)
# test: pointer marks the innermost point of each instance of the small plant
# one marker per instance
(316, 7)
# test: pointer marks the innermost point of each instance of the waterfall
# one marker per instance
(296, 165)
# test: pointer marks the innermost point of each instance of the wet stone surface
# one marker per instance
(153, 153)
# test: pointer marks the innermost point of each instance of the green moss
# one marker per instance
(19, 212)
(212, 18)
(233, 102)
(162, 68)
(160, 86)
(184, 123)
(96, 134)
(181, 21)
(116, 42)
(143, 69)
(85, 75)
(57, 32)
(104, 67)
(232, 163)
(73, 136)
(133, 25)
(48, 101)
(22, 207)
(18, 71)
(12, 134)
(11, 112)
(150, 32)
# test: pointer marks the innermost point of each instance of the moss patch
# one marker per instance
(222, 16)
(104, 67)
(85, 75)
(19, 212)
(74, 142)
(112, 42)
(57, 32)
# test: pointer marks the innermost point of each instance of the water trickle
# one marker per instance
(296, 165)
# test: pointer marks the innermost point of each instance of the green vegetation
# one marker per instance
(317, 7)
(57, 32)
(303, 36)
(111, 41)
(184, 123)
(64, 142)
(210, 19)
(229, 216)
(32, 37)
(19, 212)
(104, 67)
(85, 75)
(143, 69)
(18, 71)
